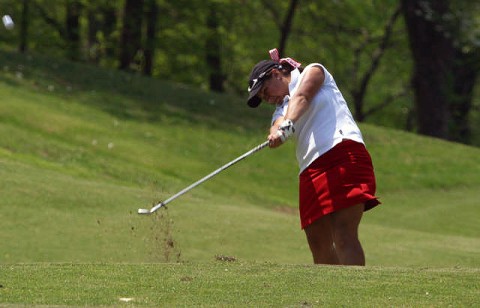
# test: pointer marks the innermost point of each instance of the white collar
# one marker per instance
(293, 79)
(291, 85)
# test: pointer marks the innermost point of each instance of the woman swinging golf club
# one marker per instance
(337, 181)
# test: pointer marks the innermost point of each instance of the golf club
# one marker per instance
(163, 203)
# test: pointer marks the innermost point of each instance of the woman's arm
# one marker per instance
(299, 103)
(308, 88)
(274, 141)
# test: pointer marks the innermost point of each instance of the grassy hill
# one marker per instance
(81, 149)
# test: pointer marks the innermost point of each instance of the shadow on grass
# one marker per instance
(131, 96)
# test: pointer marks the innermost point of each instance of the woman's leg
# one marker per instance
(345, 233)
(321, 241)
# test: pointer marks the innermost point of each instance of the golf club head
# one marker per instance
(144, 211)
(152, 210)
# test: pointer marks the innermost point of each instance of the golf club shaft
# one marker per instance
(183, 191)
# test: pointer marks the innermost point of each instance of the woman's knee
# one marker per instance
(320, 233)
(345, 239)
(348, 219)
(345, 225)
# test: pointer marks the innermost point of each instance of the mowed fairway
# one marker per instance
(238, 284)
(82, 149)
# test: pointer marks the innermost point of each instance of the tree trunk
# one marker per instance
(24, 26)
(130, 42)
(93, 29)
(73, 29)
(360, 89)
(433, 55)
(466, 69)
(213, 50)
(287, 26)
(444, 76)
(149, 53)
(108, 29)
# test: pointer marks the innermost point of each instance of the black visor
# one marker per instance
(259, 74)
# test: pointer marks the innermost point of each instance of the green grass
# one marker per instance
(82, 149)
(224, 284)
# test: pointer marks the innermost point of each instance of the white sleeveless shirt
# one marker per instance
(324, 124)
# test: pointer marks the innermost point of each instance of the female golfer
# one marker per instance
(337, 181)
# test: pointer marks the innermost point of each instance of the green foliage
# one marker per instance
(248, 28)
(338, 34)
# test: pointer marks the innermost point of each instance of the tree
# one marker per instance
(364, 56)
(149, 50)
(359, 90)
(445, 72)
(72, 32)
(285, 27)
(101, 40)
(92, 39)
(24, 24)
(213, 49)
(130, 42)
(69, 29)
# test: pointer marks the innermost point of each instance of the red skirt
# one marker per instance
(338, 179)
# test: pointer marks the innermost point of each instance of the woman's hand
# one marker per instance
(280, 131)
(275, 140)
